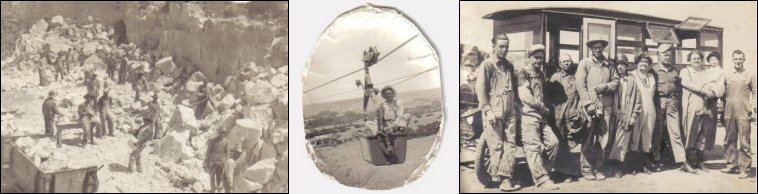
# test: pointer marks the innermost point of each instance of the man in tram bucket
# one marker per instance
(391, 118)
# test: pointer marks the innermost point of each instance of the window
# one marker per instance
(709, 39)
(629, 33)
(517, 46)
(662, 34)
(689, 43)
(569, 37)
(569, 44)
(693, 23)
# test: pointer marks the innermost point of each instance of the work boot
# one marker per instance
(743, 174)
(548, 185)
(599, 176)
(700, 160)
(687, 168)
(131, 166)
(139, 165)
(589, 176)
(729, 169)
(507, 186)
(646, 170)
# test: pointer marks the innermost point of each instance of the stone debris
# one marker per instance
(175, 147)
(183, 119)
(166, 65)
(261, 171)
(179, 154)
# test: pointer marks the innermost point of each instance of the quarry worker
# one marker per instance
(72, 59)
(110, 62)
(739, 86)
(596, 83)
(86, 117)
(106, 114)
(49, 111)
(496, 88)
(93, 85)
(202, 101)
(538, 138)
(218, 153)
(41, 69)
(59, 63)
(143, 134)
(154, 112)
(139, 83)
(123, 62)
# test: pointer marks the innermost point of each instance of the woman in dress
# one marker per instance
(642, 134)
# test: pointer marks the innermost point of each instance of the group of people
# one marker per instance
(610, 116)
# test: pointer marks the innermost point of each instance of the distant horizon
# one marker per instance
(361, 97)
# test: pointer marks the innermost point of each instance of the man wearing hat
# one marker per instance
(496, 87)
(391, 118)
(86, 118)
(143, 134)
(60, 61)
(106, 114)
(596, 83)
(154, 112)
(49, 110)
(536, 135)
(668, 100)
(628, 107)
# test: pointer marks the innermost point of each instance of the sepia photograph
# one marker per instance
(607, 97)
(197, 88)
(372, 99)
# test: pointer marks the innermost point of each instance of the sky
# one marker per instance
(339, 51)
(737, 18)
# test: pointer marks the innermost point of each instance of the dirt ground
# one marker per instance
(347, 166)
(669, 180)
(113, 152)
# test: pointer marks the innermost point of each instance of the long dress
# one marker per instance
(642, 135)
(698, 111)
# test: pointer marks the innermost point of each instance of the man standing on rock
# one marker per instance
(154, 112)
(218, 153)
(60, 61)
(49, 110)
(106, 114)
(143, 134)
(110, 62)
(41, 68)
(71, 58)
(123, 62)
(496, 87)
